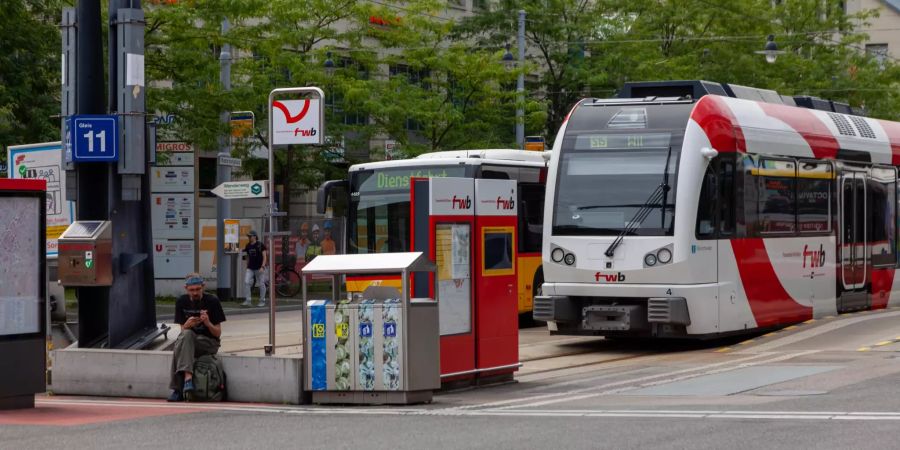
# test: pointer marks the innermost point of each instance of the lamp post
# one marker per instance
(771, 51)
(520, 85)
(224, 282)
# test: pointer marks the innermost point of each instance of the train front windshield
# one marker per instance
(605, 179)
(378, 219)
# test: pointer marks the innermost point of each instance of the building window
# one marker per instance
(879, 52)
(416, 77)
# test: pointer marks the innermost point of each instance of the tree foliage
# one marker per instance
(29, 72)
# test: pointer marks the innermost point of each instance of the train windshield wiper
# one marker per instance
(624, 205)
(653, 201)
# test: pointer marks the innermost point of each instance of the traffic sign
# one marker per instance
(241, 189)
(93, 138)
(229, 161)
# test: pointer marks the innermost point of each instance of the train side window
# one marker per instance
(814, 187)
(706, 208)
(726, 198)
(882, 185)
(777, 202)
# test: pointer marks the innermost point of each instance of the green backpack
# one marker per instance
(209, 379)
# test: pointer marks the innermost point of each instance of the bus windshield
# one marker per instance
(378, 219)
(600, 191)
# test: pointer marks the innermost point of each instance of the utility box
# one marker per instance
(85, 254)
(380, 348)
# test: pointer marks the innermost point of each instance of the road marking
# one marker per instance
(816, 331)
(688, 375)
(582, 413)
(723, 349)
(864, 349)
(506, 403)
(883, 343)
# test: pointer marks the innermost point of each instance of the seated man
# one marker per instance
(200, 316)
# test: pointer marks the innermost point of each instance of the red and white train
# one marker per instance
(696, 209)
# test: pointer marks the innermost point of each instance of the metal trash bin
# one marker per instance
(381, 348)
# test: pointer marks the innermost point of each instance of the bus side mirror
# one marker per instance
(709, 153)
(324, 193)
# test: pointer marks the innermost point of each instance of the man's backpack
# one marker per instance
(209, 379)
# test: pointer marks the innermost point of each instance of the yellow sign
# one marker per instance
(342, 330)
(318, 330)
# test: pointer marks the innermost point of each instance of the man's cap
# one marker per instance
(327, 225)
(252, 233)
(315, 228)
(193, 279)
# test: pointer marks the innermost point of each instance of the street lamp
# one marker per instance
(771, 51)
(508, 59)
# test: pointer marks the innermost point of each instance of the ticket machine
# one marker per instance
(468, 228)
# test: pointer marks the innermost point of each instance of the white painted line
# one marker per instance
(585, 413)
(690, 374)
(808, 333)
(568, 394)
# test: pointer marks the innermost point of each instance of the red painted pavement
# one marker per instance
(61, 413)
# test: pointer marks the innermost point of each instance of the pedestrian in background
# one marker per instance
(257, 260)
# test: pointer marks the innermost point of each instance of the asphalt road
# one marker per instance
(832, 383)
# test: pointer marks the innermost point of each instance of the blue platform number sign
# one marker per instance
(365, 329)
(390, 329)
(93, 138)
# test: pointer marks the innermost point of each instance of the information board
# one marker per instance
(19, 259)
(172, 216)
(173, 259)
(44, 161)
(172, 179)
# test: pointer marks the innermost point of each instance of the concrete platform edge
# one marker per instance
(145, 374)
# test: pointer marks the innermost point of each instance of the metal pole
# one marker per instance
(223, 175)
(520, 86)
(270, 349)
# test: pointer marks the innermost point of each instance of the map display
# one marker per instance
(19, 262)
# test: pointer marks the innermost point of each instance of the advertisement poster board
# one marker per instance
(45, 161)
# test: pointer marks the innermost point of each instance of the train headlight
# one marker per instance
(664, 255)
(570, 259)
(649, 260)
(557, 255)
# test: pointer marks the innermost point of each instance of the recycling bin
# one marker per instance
(380, 348)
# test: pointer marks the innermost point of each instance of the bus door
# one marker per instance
(443, 226)
(854, 255)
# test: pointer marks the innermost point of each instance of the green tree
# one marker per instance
(29, 72)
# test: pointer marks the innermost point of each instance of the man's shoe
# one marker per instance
(261, 304)
(189, 390)
(175, 396)
(246, 303)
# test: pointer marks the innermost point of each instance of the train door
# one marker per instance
(854, 254)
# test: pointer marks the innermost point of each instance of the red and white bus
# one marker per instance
(695, 209)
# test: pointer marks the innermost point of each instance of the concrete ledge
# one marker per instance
(135, 373)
